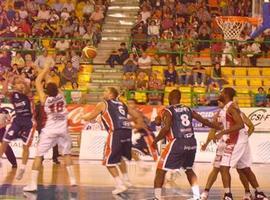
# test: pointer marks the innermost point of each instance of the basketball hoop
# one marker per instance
(232, 26)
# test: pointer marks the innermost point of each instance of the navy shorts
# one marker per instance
(118, 145)
(178, 153)
(20, 128)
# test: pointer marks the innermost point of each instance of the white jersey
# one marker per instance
(243, 134)
(56, 114)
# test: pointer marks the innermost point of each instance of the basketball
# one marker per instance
(90, 52)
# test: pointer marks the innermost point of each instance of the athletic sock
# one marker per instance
(34, 177)
(157, 192)
(23, 166)
(118, 181)
(125, 177)
(196, 191)
(227, 190)
(71, 174)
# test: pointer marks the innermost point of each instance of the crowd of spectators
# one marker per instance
(35, 31)
(262, 99)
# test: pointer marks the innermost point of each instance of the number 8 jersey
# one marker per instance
(181, 122)
(56, 114)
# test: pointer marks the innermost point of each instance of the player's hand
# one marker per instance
(203, 147)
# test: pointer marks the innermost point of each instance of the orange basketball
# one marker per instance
(89, 52)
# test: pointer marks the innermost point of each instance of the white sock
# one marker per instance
(34, 177)
(125, 177)
(118, 181)
(196, 191)
(71, 173)
(23, 166)
(266, 1)
(157, 192)
(258, 189)
(227, 190)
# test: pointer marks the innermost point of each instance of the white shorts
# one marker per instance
(48, 140)
(237, 156)
(219, 153)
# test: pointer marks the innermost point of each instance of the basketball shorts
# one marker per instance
(178, 153)
(20, 128)
(118, 145)
(219, 153)
(237, 156)
(143, 145)
(48, 139)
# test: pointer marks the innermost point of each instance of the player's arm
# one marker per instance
(205, 122)
(249, 124)
(100, 107)
(238, 125)
(167, 121)
(38, 83)
(137, 118)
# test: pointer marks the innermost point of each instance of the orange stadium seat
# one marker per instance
(240, 71)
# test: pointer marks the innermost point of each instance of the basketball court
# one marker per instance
(96, 183)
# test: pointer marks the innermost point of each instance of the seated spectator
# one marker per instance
(97, 16)
(205, 37)
(42, 59)
(254, 53)
(18, 59)
(140, 39)
(43, 13)
(69, 6)
(75, 60)
(23, 12)
(69, 74)
(88, 8)
(212, 95)
(155, 84)
(65, 14)
(145, 63)
(268, 98)
(184, 74)
(130, 64)
(199, 74)
(128, 82)
(145, 13)
(141, 81)
(57, 6)
(216, 76)
(170, 76)
(153, 29)
(260, 98)
(62, 45)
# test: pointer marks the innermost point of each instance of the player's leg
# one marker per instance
(226, 180)
(112, 157)
(158, 182)
(3, 149)
(55, 155)
(212, 177)
(124, 172)
(245, 184)
(9, 152)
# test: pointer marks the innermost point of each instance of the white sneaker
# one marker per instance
(204, 196)
(127, 183)
(73, 182)
(247, 197)
(30, 188)
(20, 174)
(119, 189)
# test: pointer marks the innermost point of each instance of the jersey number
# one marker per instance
(122, 110)
(57, 107)
(185, 120)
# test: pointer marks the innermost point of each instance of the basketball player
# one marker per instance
(22, 125)
(55, 130)
(181, 149)
(143, 143)
(244, 170)
(236, 152)
(114, 115)
(266, 20)
(9, 153)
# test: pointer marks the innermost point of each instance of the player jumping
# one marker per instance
(181, 150)
(115, 118)
(22, 125)
(55, 131)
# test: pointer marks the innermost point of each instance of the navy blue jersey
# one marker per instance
(181, 122)
(3, 111)
(22, 104)
(115, 116)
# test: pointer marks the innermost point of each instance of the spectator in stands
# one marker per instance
(156, 86)
(170, 75)
(254, 52)
(23, 12)
(18, 59)
(260, 98)
(229, 52)
(75, 60)
(199, 74)
(5, 59)
(69, 74)
(212, 95)
(268, 98)
(184, 74)
(153, 29)
(205, 37)
(145, 13)
(63, 44)
(128, 82)
(140, 39)
(69, 6)
(130, 64)
(142, 81)
(57, 6)
(216, 76)
(65, 15)
(145, 63)
(43, 13)
(88, 8)
(97, 16)
(42, 59)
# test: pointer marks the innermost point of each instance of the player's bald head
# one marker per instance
(229, 92)
(52, 89)
(174, 97)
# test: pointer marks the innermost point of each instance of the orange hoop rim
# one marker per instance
(251, 20)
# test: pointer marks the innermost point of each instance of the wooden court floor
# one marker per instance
(95, 182)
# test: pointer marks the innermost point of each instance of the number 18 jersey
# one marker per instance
(181, 126)
(56, 114)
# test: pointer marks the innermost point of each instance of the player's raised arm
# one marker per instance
(238, 125)
(38, 82)
(137, 118)
(167, 121)
(100, 108)
(249, 124)
(206, 122)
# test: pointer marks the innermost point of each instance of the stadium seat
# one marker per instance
(244, 100)
(255, 82)
(227, 71)
(241, 82)
(240, 71)
(159, 70)
(140, 97)
(254, 72)
(185, 89)
(266, 71)
(230, 81)
(266, 82)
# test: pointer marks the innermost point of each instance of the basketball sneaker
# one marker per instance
(260, 196)
(30, 188)
(228, 196)
(204, 196)
(127, 183)
(20, 174)
(119, 189)
(247, 196)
